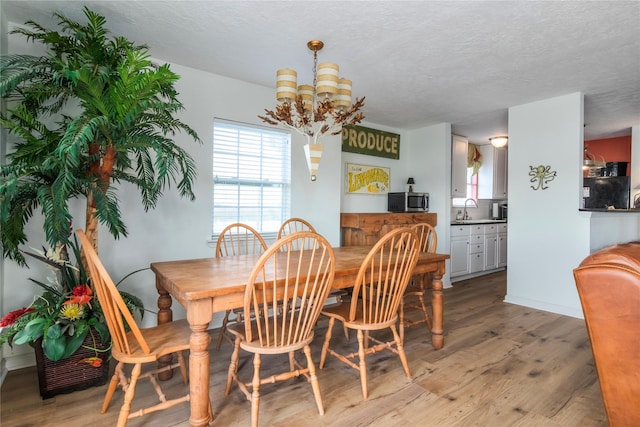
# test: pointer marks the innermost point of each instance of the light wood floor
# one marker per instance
(502, 365)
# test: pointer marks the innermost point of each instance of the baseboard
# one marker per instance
(19, 361)
(3, 374)
(474, 275)
(545, 306)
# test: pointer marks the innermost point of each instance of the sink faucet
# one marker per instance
(466, 215)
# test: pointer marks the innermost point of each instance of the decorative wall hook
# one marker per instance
(542, 174)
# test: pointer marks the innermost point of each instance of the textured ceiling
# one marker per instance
(418, 63)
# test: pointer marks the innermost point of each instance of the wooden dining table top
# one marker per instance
(193, 279)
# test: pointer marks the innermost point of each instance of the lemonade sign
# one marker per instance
(365, 179)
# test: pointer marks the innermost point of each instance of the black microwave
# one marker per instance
(408, 202)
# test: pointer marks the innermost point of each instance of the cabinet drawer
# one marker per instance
(460, 230)
(475, 248)
(476, 239)
(502, 228)
(491, 228)
(477, 229)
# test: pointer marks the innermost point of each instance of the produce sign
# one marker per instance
(373, 142)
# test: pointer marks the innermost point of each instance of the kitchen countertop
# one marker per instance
(635, 210)
(478, 221)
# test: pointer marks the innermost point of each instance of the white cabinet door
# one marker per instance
(502, 250)
(458, 166)
(490, 252)
(492, 176)
(500, 173)
(459, 261)
(476, 262)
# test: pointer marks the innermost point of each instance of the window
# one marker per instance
(251, 176)
(472, 189)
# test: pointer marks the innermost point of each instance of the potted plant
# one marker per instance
(65, 325)
(91, 112)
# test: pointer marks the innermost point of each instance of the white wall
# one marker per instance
(179, 228)
(547, 236)
(429, 162)
(398, 174)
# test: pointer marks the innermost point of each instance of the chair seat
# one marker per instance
(237, 329)
(341, 313)
(162, 339)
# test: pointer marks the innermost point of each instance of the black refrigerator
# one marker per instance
(605, 191)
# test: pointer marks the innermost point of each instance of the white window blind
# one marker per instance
(251, 176)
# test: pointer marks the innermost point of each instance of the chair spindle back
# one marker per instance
(290, 287)
(384, 275)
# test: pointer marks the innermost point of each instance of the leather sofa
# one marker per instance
(608, 283)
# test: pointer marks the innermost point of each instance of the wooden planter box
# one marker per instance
(71, 374)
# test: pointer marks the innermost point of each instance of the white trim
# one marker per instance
(539, 305)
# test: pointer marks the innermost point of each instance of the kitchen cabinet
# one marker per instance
(467, 249)
(459, 261)
(502, 245)
(492, 175)
(490, 251)
(495, 246)
(458, 166)
(477, 249)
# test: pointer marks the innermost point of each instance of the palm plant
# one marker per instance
(91, 112)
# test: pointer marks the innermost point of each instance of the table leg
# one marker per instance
(437, 301)
(165, 315)
(199, 316)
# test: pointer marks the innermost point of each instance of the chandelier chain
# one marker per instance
(315, 73)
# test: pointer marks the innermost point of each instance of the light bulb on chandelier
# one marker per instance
(314, 110)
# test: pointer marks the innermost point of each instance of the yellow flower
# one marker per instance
(72, 311)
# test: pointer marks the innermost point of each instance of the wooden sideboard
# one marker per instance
(367, 228)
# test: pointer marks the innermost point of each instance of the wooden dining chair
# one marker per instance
(293, 225)
(291, 286)
(377, 293)
(414, 295)
(237, 239)
(133, 345)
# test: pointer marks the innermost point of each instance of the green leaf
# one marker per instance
(31, 332)
(54, 343)
(74, 342)
(103, 331)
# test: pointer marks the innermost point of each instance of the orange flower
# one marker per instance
(96, 362)
(80, 295)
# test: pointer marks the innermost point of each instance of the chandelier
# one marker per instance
(314, 110)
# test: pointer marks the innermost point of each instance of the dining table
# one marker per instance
(207, 285)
